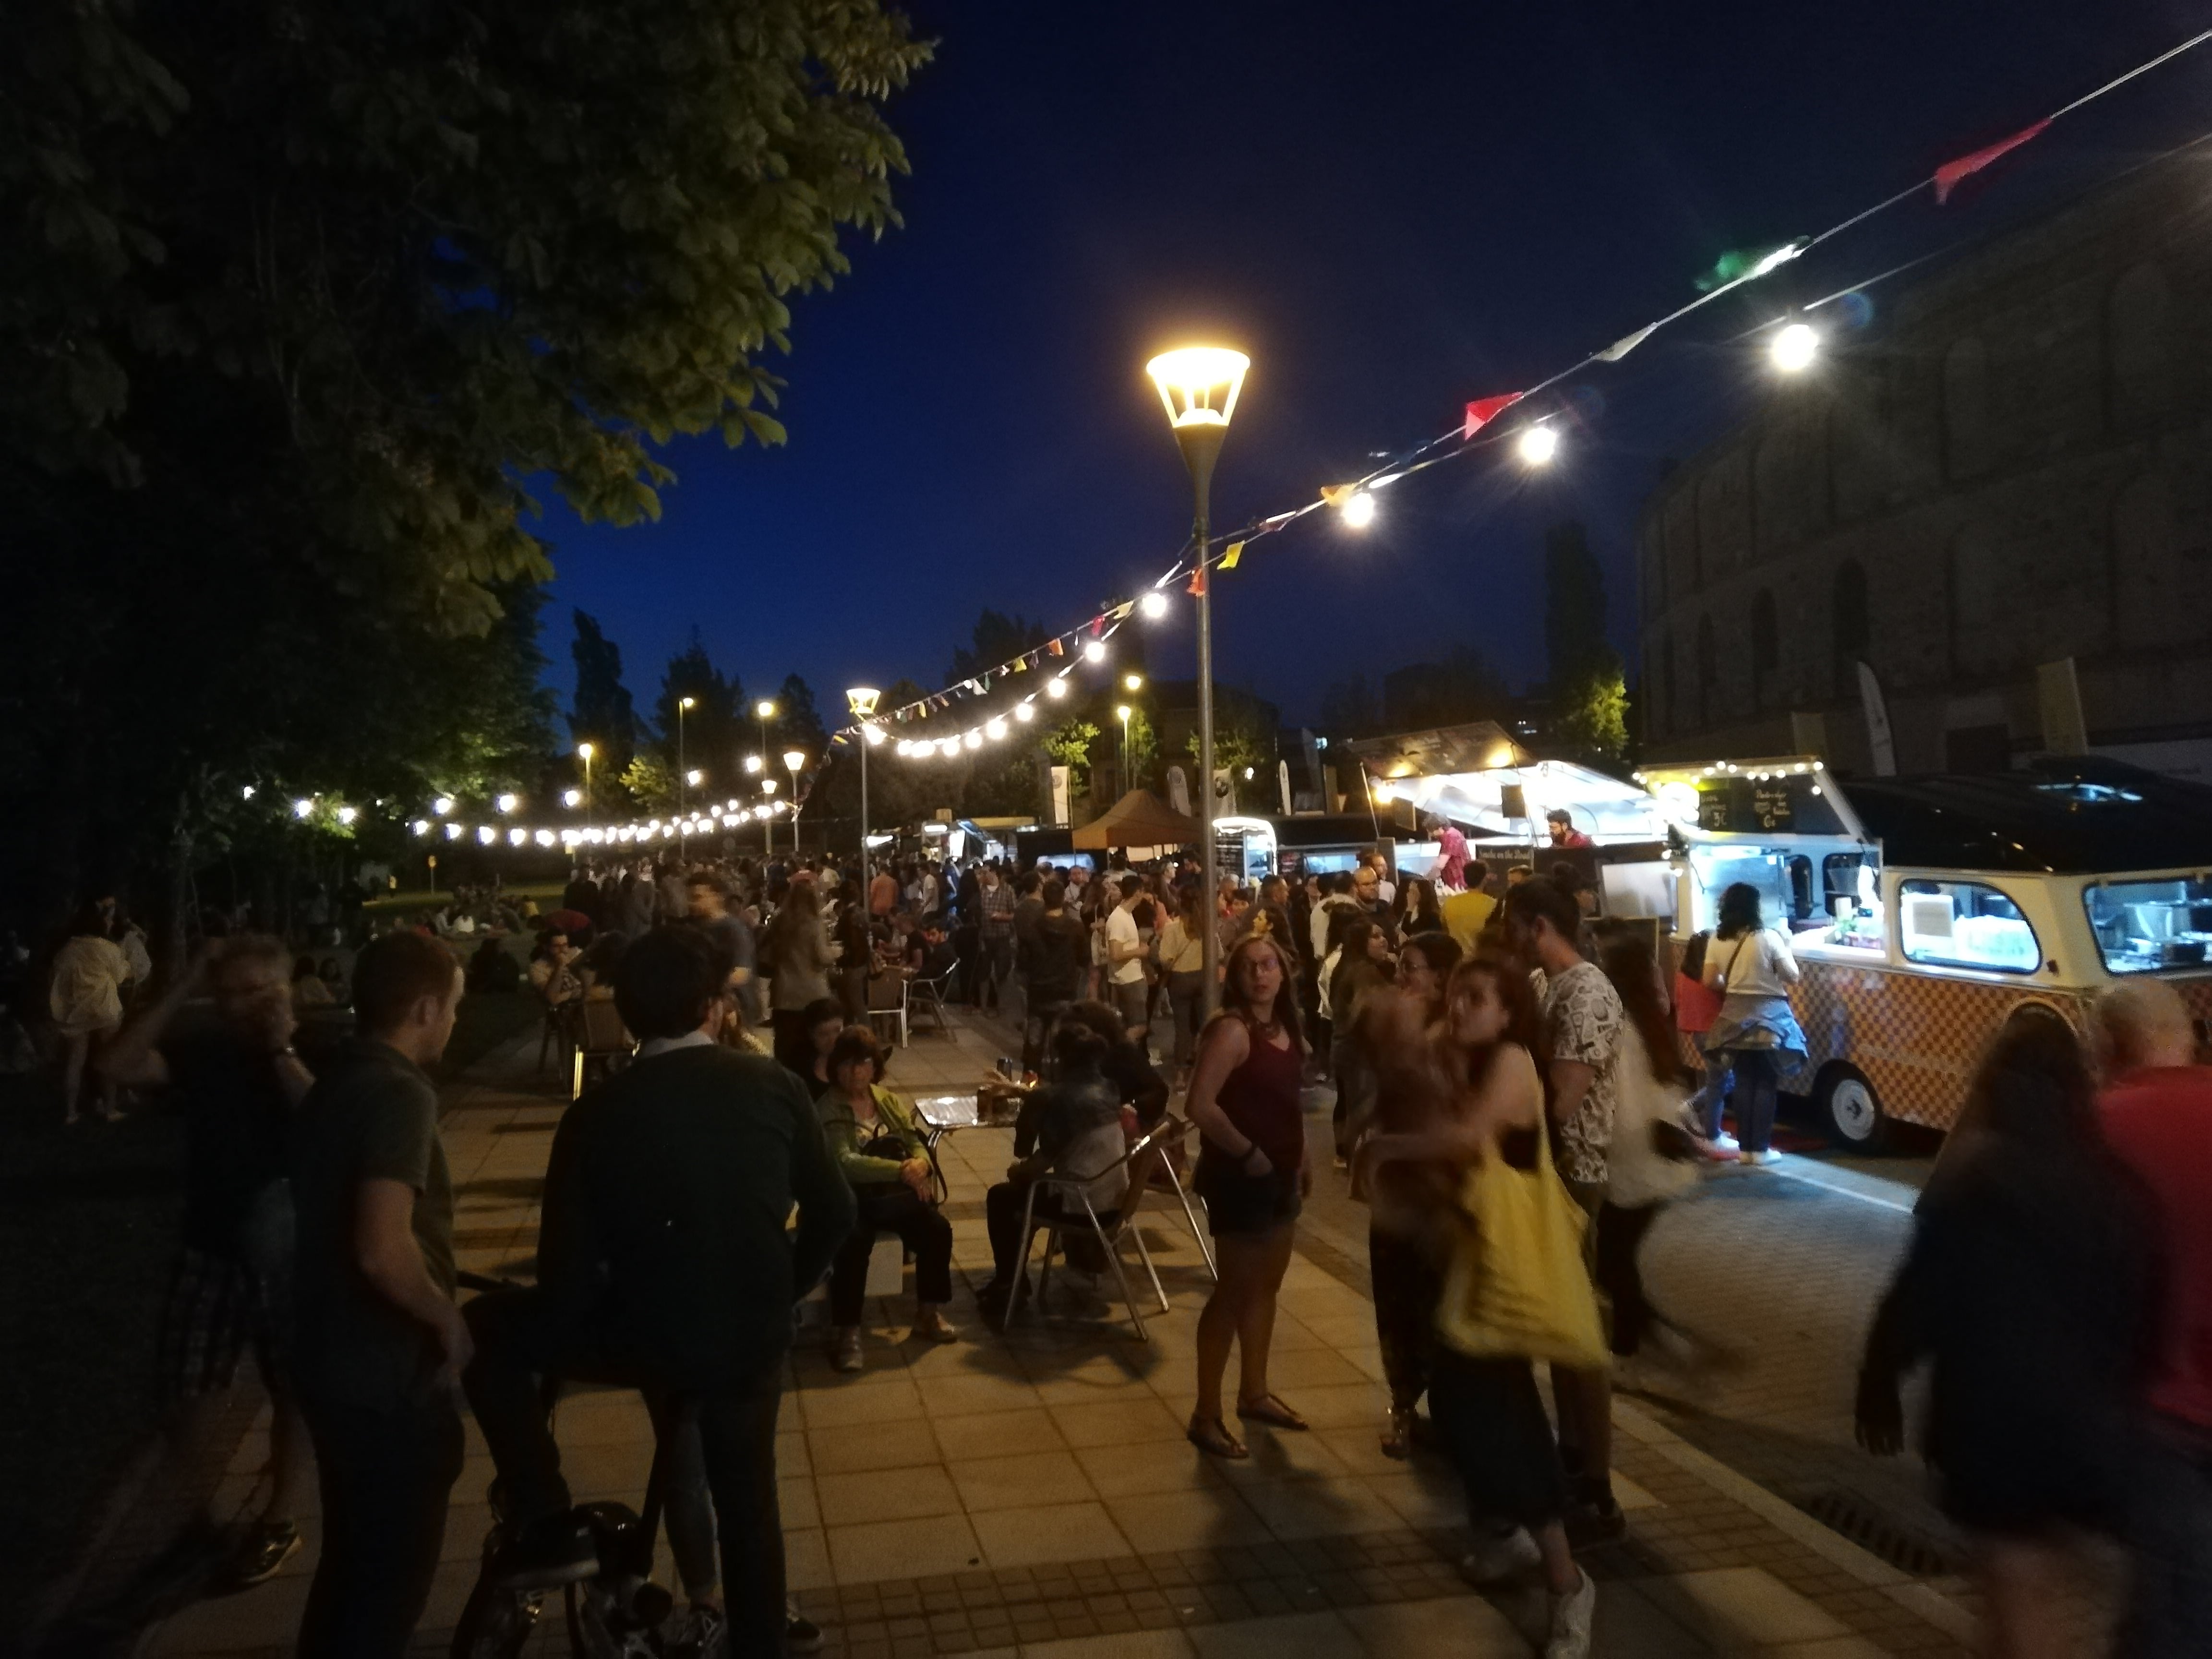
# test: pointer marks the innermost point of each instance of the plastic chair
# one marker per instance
(601, 1040)
(893, 990)
(1074, 1191)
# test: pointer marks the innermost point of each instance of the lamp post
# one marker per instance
(763, 711)
(862, 699)
(587, 751)
(1121, 712)
(682, 777)
(1198, 386)
(795, 762)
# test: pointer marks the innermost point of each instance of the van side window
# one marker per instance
(1964, 924)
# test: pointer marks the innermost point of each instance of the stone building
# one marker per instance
(2012, 469)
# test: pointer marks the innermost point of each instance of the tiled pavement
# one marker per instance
(1034, 1494)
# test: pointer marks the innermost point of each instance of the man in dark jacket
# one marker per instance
(1059, 961)
(663, 1254)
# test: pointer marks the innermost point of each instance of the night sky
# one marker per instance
(1393, 207)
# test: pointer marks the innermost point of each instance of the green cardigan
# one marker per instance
(845, 1134)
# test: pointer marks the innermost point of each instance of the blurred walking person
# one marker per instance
(2157, 1113)
(2026, 1290)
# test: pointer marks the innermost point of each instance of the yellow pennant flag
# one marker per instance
(1230, 555)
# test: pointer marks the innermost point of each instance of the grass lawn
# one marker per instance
(407, 903)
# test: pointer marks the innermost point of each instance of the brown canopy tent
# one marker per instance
(1139, 818)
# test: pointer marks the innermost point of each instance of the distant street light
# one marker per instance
(587, 751)
(1358, 510)
(795, 762)
(1795, 347)
(1121, 712)
(1198, 387)
(764, 711)
(1538, 444)
(862, 699)
(683, 706)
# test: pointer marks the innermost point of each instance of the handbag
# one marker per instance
(1517, 1287)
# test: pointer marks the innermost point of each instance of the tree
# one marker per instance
(602, 715)
(713, 730)
(996, 639)
(1588, 692)
(1348, 708)
(649, 784)
(1069, 745)
(1459, 689)
(797, 724)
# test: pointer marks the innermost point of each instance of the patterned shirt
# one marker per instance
(1584, 1017)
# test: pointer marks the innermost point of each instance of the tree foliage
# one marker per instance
(996, 639)
(1588, 692)
(602, 713)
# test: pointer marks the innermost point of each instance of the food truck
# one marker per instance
(1922, 910)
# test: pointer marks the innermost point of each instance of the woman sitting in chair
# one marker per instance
(877, 1142)
(1072, 1127)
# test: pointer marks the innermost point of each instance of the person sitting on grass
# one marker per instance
(1071, 1126)
(877, 1142)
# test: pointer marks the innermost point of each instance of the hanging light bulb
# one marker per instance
(1538, 444)
(544, 838)
(1358, 510)
(348, 814)
(974, 739)
(421, 826)
(1057, 686)
(949, 748)
(507, 803)
(1024, 712)
(994, 730)
(443, 805)
(1796, 345)
(1095, 652)
(1153, 605)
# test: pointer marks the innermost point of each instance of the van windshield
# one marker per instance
(2143, 927)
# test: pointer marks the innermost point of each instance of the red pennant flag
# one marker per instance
(1097, 626)
(1197, 582)
(1483, 410)
(1951, 173)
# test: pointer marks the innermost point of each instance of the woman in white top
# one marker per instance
(1755, 1032)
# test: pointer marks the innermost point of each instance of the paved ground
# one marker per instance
(1033, 1494)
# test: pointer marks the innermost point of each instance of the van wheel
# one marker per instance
(1848, 1108)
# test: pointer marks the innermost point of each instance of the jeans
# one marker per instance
(1409, 1283)
(1620, 1234)
(1711, 1094)
(1185, 996)
(1757, 1085)
(923, 1229)
(998, 963)
(520, 1339)
(385, 1478)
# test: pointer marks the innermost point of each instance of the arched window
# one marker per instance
(1965, 408)
(1847, 608)
(1708, 672)
(1765, 647)
(2139, 346)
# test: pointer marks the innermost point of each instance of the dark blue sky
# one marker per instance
(1393, 207)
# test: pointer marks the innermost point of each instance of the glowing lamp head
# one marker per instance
(753, 764)
(1153, 606)
(768, 786)
(1122, 711)
(507, 803)
(303, 808)
(1538, 445)
(1133, 681)
(764, 710)
(687, 703)
(1056, 688)
(862, 699)
(544, 838)
(1796, 345)
(1095, 652)
(794, 760)
(695, 777)
(443, 806)
(1358, 510)
(348, 814)
(973, 739)
(518, 836)
(994, 730)
(486, 834)
(453, 832)
(949, 748)
(1024, 712)
(246, 794)
(572, 797)
(1199, 385)
(874, 735)
(421, 826)
(585, 751)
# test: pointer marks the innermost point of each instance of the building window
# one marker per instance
(1847, 606)
(1965, 408)
(1765, 647)
(2139, 346)
(1708, 671)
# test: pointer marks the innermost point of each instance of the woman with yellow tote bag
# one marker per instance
(1517, 1292)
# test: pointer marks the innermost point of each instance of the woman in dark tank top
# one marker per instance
(1253, 1175)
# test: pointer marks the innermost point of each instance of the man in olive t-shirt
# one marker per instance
(380, 1342)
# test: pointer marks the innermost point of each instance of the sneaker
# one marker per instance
(800, 1633)
(1596, 1520)
(932, 1324)
(551, 1551)
(845, 1351)
(1759, 1157)
(1570, 1636)
(267, 1546)
(701, 1632)
(1501, 1558)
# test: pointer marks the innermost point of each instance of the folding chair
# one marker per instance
(1073, 1192)
(932, 991)
(887, 1002)
(601, 1040)
(1178, 1136)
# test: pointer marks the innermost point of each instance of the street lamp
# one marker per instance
(795, 762)
(1198, 387)
(683, 706)
(862, 699)
(585, 751)
(1133, 681)
(1121, 712)
(764, 711)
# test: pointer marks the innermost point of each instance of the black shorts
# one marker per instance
(1241, 1205)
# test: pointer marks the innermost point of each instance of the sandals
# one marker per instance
(1211, 1436)
(1270, 1410)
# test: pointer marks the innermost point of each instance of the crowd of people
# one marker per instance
(1512, 1104)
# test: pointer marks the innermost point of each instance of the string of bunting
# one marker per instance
(1476, 430)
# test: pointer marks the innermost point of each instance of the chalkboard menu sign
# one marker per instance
(1781, 805)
